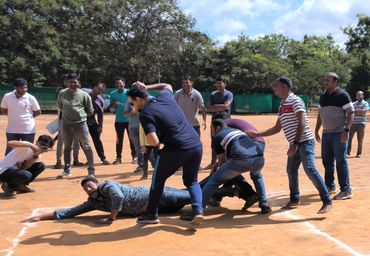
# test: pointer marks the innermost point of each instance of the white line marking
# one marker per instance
(312, 228)
(7, 212)
(23, 231)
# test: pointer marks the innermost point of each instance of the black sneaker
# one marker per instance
(148, 219)
(189, 216)
(265, 209)
(250, 200)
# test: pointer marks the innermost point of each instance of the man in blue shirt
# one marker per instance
(118, 199)
(118, 99)
(165, 123)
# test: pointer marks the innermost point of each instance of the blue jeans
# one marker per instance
(232, 168)
(332, 148)
(15, 176)
(167, 163)
(305, 155)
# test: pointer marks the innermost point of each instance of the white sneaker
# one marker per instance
(63, 175)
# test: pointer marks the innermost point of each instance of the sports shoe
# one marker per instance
(197, 220)
(144, 177)
(332, 191)
(117, 161)
(215, 202)
(358, 155)
(77, 163)
(189, 216)
(325, 208)
(7, 190)
(251, 200)
(138, 169)
(63, 175)
(265, 209)
(148, 219)
(58, 165)
(105, 162)
(343, 195)
(291, 205)
(23, 189)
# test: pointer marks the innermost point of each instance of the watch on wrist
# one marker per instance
(346, 129)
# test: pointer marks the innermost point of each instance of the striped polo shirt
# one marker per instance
(289, 121)
(360, 105)
(333, 110)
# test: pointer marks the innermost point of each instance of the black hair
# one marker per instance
(187, 77)
(89, 178)
(138, 92)
(218, 123)
(46, 140)
(119, 79)
(221, 115)
(73, 76)
(103, 84)
(220, 79)
(19, 82)
(286, 81)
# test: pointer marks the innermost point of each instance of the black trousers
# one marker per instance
(95, 135)
(15, 176)
(120, 130)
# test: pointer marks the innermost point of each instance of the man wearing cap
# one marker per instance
(219, 102)
(19, 168)
(293, 120)
(336, 116)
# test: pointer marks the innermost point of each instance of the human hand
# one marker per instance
(204, 125)
(143, 149)
(105, 221)
(292, 150)
(344, 137)
(252, 134)
(31, 219)
(317, 137)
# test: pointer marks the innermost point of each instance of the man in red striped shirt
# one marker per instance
(293, 120)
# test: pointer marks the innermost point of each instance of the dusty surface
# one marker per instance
(227, 230)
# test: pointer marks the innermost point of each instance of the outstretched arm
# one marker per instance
(155, 87)
(40, 217)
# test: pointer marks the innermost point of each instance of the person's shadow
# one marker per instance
(228, 219)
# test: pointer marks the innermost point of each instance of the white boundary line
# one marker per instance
(23, 231)
(7, 212)
(313, 229)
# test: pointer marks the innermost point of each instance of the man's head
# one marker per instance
(73, 81)
(119, 83)
(44, 142)
(282, 87)
(64, 80)
(217, 125)
(220, 83)
(222, 115)
(90, 185)
(360, 95)
(138, 97)
(187, 83)
(20, 86)
(331, 81)
(98, 89)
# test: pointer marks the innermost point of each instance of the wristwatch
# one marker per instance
(346, 129)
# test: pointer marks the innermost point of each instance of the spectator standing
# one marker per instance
(21, 109)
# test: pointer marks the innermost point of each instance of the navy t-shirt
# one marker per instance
(163, 116)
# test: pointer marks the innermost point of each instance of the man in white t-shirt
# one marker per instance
(21, 109)
(19, 167)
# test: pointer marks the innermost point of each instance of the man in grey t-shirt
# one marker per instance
(190, 101)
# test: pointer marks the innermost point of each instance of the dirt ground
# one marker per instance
(227, 230)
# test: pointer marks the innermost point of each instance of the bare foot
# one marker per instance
(325, 208)
(291, 205)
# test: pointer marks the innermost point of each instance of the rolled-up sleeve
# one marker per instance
(73, 211)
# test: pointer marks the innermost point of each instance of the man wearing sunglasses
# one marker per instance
(20, 167)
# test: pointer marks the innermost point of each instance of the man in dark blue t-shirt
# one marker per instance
(165, 123)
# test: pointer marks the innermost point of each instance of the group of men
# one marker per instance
(237, 146)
